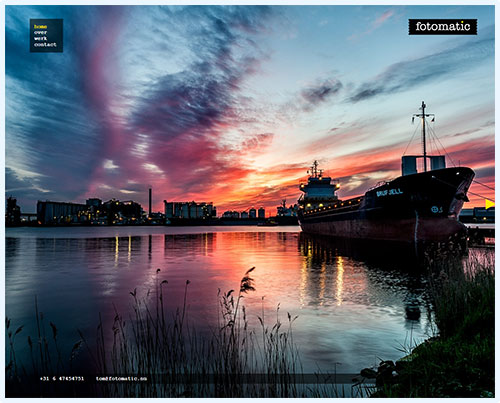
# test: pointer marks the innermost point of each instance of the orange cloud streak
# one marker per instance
(240, 188)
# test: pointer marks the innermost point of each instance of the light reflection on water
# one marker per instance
(350, 310)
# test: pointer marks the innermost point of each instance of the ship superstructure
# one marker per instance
(319, 190)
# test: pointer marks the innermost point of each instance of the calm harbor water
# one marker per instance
(350, 310)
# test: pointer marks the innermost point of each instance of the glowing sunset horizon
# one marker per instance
(232, 104)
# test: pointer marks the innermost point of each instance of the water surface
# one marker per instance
(350, 310)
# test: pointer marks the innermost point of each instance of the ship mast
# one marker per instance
(314, 169)
(423, 115)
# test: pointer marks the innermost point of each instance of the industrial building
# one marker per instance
(477, 215)
(50, 212)
(93, 212)
(12, 213)
(231, 214)
(94, 202)
(189, 210)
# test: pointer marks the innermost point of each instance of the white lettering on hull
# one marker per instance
(389, 192)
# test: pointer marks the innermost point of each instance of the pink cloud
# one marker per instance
(377, 23)
(382, 18)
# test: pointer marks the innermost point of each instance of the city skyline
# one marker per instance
(232, 104)
(145, 208)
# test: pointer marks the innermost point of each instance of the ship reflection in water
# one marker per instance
(351, 308)
(365, 272)
(370, 277)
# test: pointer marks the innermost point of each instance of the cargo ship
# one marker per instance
(416, 208)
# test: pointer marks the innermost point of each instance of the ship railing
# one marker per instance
(348, 204)
(379, 183)
(327, 199)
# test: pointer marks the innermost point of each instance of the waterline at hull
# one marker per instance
(411, 230)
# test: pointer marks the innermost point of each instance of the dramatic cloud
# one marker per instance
(48, 123)
(410, 73)
(338, 137)
(320, 92)
(221, 103)
(184, 116)
(257, 142)
(169, 134)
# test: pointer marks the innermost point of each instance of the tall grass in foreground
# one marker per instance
(464, 296)
(459, 362)
(232, 360)
(185, 363)
(46, 358)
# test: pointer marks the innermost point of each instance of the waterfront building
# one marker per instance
(478, 215)
(252, 213)
(244, 214)
(116, 212)
(189, 210)
(94, 211)
(13, 212)
(131, 209)
(50, 212)
(231, 214)
(93, 202)
(156, 218)
(262, 213)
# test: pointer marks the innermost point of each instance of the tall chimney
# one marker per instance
(150, 200)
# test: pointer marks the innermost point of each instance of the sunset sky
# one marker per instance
(233, 104)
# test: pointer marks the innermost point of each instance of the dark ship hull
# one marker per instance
(413, 209)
